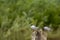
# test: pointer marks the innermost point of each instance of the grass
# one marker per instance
(25, 34)
(54, 35)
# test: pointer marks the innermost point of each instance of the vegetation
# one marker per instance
(16, 17)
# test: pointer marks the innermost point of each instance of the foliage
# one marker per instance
(16, 17)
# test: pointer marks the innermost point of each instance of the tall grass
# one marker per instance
(16, 17)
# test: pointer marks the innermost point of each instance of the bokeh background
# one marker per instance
(16, 17)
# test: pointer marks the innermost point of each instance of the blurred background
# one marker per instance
(16, 17)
